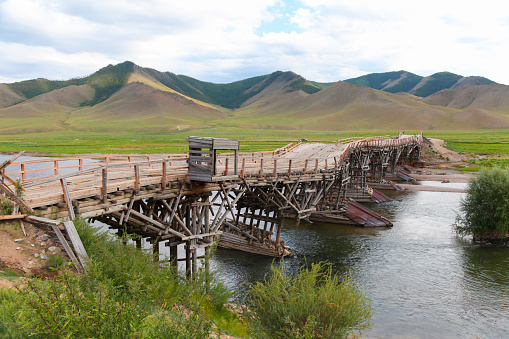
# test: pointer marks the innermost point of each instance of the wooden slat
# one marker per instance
(67, 198)
(12, 217)
(76, 242)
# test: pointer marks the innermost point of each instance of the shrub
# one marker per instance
(54, 262)
(485, 208)
(125, 294)
(311, 303)
(5, 208)
(9, 304)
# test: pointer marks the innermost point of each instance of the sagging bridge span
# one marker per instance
(214, 192)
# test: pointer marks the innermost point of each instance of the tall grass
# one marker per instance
(125, 294)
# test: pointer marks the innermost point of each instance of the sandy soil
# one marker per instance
(26, 254)
(438, 145)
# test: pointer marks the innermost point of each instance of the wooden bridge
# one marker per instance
(214, 192)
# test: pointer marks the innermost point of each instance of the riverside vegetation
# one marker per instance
(127, 294)
(485, 209)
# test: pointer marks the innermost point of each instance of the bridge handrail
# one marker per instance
(102, 159)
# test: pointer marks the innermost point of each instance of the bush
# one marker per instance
(125, 294)
(312, 303)
(485, 209)
(8, 308)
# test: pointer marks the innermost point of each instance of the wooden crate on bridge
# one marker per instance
(203, 159)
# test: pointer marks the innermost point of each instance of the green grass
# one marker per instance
(475, 141)
(7, 273)
(251, 139)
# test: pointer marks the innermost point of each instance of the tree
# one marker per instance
(485, 209)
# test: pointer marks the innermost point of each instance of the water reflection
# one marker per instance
(422, 280)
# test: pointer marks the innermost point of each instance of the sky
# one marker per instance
(223, 41)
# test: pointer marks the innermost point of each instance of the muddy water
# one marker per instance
(422, 280)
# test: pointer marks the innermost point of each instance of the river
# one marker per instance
(422, 280)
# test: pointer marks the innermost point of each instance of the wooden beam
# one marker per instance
(76, 242)
(12, 217)
(6, 190)
(67, 198)
(157, 224)
(11, 160)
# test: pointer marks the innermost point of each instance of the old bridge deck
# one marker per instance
(213, 191)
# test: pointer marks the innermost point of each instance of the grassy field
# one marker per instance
(476, 141)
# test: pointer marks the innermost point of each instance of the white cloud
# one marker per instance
(217, 40)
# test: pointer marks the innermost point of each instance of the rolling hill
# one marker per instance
(402, 81)
(127, 97)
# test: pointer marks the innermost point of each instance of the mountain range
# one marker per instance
(127, 97)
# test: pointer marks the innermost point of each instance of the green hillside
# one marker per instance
(401, 81)
(106, 81)
(437, 82)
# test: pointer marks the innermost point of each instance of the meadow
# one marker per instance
(487, 142)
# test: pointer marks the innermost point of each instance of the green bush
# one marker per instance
(5, 208)
(312, 303)
(9, 304)
(125, 294)
(484, 212)
(54, 262)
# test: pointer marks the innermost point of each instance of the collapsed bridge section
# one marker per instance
(214, 192)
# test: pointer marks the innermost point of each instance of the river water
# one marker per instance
(422, 280)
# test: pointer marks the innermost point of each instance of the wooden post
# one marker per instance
(105, 185)
(80, 164)
(290, 166)
(306, 165)
(275, 166)
(261, 166)
(67, 198)
(188, 260)
(226, 167)
(155, 249)
(174, 255)
(236, 166)
(56, 167)
(243, 167)
(23, 172)
(163, 176)
(136, 179)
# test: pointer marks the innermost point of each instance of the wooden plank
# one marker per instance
(11, 160)
(157, 224)
(76, 242)
(6, 190)
(67, 248)
(196, 158)
(12, 217)
(67, 198)
(220, 143)
(11, 180)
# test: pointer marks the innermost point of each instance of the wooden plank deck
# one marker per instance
(96, 176)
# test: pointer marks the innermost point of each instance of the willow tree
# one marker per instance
(484, 211)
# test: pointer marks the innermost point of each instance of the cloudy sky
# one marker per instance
(227, 40)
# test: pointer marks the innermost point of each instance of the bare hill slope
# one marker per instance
(344, 106)
(8, 97)
(140, 106)
(492, 98)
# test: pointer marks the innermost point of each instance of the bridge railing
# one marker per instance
(50, 167)
(270, 163)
